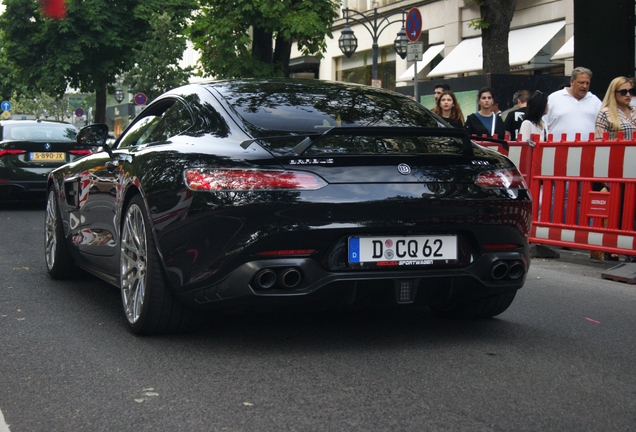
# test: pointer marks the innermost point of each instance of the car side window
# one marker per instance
(158, 124)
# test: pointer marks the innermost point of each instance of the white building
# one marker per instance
(540, 41)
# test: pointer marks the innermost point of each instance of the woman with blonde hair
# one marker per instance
(447, 107)
(616, 113)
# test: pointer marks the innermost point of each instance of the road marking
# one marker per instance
(3, 426)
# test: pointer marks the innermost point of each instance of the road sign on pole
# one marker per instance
(413, 25)
(5, 105)
(414, 51)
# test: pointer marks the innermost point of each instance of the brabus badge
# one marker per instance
(47, 146)
(404, 169)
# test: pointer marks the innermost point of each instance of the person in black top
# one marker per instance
(439, 89)
(485, 121)
(515, 118)
(448, 108)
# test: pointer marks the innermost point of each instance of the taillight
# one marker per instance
(81, 152)
(251, 180)
(504, 178)
(11, 152)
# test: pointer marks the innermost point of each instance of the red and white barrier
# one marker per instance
(565, 179)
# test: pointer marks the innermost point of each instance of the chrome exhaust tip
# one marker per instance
(499, 270)
(265, 278)
(516, 270)
(290, 278)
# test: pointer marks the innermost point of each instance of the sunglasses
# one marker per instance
(631, 91)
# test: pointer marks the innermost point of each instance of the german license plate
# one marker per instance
(411, 250)
(48, 156)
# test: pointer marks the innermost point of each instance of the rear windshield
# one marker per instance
(294, 107)
(39, 132)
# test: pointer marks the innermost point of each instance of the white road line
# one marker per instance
(3, 426)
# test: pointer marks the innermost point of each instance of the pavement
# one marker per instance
(620, 271)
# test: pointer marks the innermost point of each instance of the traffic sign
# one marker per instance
(5, 105)
(141, 99)
(6, 114)
(413, 25)
(414, 51)
(79, 112)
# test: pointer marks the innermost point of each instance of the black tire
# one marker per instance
(149, 306)
(59, 262)
(475, 309)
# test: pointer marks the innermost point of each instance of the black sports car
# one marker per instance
(258, 192)
(30, 149)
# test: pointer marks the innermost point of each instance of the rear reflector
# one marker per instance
(505, 178)
(250, 180)
(11, 152)
(287, 252)
(81, 152)
(499, 246)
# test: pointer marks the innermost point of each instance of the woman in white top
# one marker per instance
(616, 113)
(533, 120)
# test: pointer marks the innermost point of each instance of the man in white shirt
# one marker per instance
(574, 109)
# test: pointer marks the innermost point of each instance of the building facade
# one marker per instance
(540, 42)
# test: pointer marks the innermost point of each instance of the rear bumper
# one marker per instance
(8, 187)
(484, 277)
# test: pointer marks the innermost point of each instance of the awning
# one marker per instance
(427, 57)
(565, 52)
(523, 46)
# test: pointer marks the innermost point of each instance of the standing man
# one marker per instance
(574, 109)
(514, 119)
(439, 89)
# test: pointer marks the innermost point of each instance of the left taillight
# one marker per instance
(509, 178)
(4, 152)
(251, 180)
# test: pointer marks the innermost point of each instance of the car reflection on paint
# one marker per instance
(268, 193)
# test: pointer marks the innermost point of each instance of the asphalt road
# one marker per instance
(562, 358)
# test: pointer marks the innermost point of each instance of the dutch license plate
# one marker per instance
(411, 250)
(48, 156)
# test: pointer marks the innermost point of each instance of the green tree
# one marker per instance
(86, 50)
(253, 38)
(496, 16)
(157, 68)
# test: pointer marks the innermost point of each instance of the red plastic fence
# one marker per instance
(584, 191)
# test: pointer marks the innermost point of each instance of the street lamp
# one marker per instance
(348, 42)
(119, 93)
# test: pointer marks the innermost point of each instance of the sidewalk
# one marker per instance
(570, 260)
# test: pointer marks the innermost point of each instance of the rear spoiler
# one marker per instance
(311, 138)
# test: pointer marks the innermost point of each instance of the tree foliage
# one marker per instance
(86, 50)
(253, 38)
(157, 58)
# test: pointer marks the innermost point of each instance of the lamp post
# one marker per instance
(348, 42)
(119, 93)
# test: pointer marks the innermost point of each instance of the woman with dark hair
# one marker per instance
(533, 121)
(448, 108)
(485, 121)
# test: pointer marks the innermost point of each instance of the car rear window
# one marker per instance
(284, 108)
(39, 132)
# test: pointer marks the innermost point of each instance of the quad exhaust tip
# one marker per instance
(507, 269)
(286, 278)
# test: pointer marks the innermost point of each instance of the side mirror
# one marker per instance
(94, 135)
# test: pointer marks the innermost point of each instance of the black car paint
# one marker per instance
(208, 242)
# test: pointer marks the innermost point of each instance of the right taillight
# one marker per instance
(504, 178)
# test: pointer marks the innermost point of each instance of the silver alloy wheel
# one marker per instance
(50, 237)
(133, 263)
